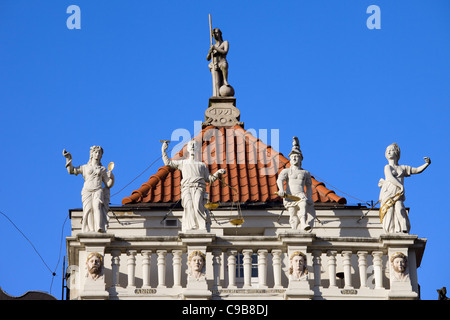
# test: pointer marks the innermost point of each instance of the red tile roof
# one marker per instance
(252, 168)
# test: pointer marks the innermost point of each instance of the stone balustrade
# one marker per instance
(254, 267)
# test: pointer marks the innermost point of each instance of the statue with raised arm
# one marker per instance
(298, 202)
(393, 215)
(96, 189)
(218, 66)
(193, 186)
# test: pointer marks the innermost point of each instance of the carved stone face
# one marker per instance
(399, 265)
(192, 147)
(298, 264)
(217, 34)
(197, 263)
(392, 152)
(296, 159)
(94, 265)
(96, 153)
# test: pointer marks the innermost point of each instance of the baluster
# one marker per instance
(232, 268)
(262, 268)
(146, 260)
(347, 269)
(362, 265)
(161, 268)
(115, 264)
(317, 263)
(217, 260)
(377, 269)
(332, 267)
(176, 263)
(276, 263)
(131, 263)
(247, 267)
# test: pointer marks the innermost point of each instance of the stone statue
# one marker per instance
(94, 195)
(399, 263)
(296, 201)
(393, 214)
(298, 269)
(218, 66)
(193, 186)
(442, 293)
(94, 265)
(196, 261)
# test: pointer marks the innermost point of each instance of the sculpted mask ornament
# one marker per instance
(94, 265)
(393, 215)
(298, 203)
(298, 269)
(399, 263)
(95, 194)
(196, 261)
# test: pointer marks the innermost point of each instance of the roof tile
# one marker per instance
(252, 170)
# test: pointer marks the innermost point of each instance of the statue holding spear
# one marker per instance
(218, 66)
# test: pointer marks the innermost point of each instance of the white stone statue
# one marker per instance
(393, 214)
(399, 263)
(196, 262)
(298, 269)
(298, 203)
(94, 265)
(193, 186)
(95, 194)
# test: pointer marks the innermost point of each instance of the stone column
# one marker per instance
(276, 263)
(131, 264)
(317, 263)
(247, 267)
(161, 268)
(115, 264)
(362, 266)
(332, 268)
(217, 260)
(176, 263)
(232, 269)
(262, 268)
(347, 269)
(146, 261)
(377, 269)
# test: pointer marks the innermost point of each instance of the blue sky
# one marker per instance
(137, 70)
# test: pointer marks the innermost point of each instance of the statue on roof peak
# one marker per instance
(218, 66)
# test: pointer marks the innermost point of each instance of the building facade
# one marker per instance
(251, 247)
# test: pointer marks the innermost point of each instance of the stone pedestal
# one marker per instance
(196, 288)
(93, 242)
(401, 287)
(297, 240)
(299, 289)
(222, 112)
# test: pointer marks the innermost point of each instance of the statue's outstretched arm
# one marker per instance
(216, 175)
(422, 167)
(69, 165)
